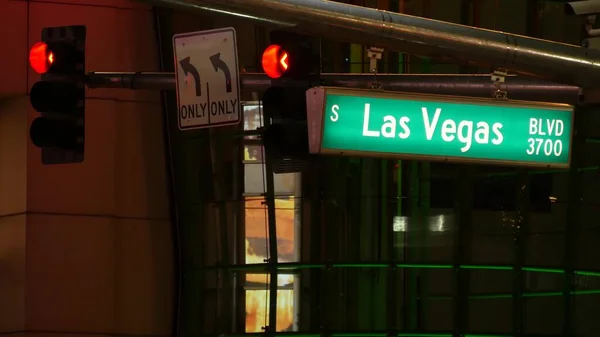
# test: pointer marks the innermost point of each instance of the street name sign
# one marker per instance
(207, 78)
(435, 127)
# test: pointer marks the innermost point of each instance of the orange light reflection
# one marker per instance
(257, 300)
(257, 314)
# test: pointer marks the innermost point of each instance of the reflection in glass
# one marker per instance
(253, 119)
(257, 238)
(257, 299)
(257, 314)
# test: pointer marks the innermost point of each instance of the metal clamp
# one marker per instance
(499, 77)
(374, 54)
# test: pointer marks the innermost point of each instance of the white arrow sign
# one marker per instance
(207, 78)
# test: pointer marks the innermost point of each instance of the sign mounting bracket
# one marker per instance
(375, 54)
(499, 77)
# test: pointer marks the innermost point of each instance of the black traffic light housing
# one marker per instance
(303, 57)
(284, 103)
(59, 96)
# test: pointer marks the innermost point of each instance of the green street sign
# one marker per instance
(435, 127)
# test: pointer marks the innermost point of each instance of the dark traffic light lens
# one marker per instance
(63, 133)
(274, 101)
(285, 102)
(51, 97)
(286, 140)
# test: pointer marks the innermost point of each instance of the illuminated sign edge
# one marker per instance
(403, 95)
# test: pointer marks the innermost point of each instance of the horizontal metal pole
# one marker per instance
(461, 44)
(131, 80)
(475, 85)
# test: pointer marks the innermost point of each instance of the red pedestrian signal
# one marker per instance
(40, 58)
(275, 61)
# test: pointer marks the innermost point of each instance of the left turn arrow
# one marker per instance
(188, 68)
(220, 64)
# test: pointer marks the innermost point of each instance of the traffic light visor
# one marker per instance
(275, 61)
(41, 58)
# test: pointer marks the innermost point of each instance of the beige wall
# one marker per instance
(85, 249)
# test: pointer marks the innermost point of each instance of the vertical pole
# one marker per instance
(332, 245)
(520, 232)
(225, 307)
(367, 176)
(463, 214)
(312, 230)
(580, 120)
(297, 250)
(272, 233)
(394, 63)
(462, 251)
(380, 285)
(521, 229)
(412, 244)
(572, 220)
(400, 276)
(366, 239)
(424, 205)
(239, 235)
(387, 241)
(354, 277)
(391, 65)
(398, 240)
(424, 176)
(345, 232)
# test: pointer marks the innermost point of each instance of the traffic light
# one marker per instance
(292, 62)
(59, 96)
(291, 56)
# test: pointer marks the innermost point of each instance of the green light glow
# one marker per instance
(294, 266)
(368, 334)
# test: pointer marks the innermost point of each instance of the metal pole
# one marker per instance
(460, 44)
(462, 248)
(573, 216)
(476, 85)
(220, 196)
(273, 261)
(520, 233)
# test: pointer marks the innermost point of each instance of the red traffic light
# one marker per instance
(275, 61)
(40, 58)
